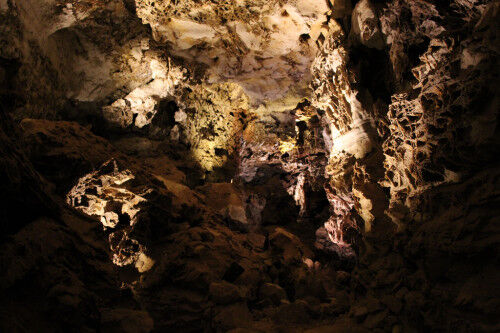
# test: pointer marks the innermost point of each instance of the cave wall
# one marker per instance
(196, 133)
(412, 112)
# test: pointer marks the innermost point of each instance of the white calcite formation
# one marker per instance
(272, 165)
(140, 106)
(265, 46)
(101, 195)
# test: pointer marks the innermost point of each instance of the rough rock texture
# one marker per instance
(249, 166)
(266, 46)
(212, 125)
(418, 126)
(23, 196)
(74, 148)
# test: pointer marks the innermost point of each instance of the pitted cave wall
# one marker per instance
(249, 166)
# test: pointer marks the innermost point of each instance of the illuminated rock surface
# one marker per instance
(249, 166)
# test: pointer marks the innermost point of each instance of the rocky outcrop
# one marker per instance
(249, 166)
(365, 27)
(210, 122)
(41, 38)
(60, 259)
(63, 151)
(266, 47)
(145, 220)
(441, 104)
(25, 195)
(131, 206)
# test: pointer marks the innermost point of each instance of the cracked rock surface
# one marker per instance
(249, 166)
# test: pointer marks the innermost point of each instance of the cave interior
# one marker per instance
(249, 166)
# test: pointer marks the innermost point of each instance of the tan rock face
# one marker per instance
(265, 46)
(140, 106)
(64, 143)
(215, 118)
(99, 195)
(260, 164)
(365, 25)
(228, 200)
(121, 200)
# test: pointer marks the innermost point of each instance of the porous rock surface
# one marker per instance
(249, 166)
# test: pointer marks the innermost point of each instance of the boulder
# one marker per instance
(126, 320)
(257, 241)
(227, 200)
(289, 245)
(231, 317)
(64, 151)
(273, 292)
(118, 115)
(224, 292)
(293, 313)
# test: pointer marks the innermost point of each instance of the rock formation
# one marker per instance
(249, 166)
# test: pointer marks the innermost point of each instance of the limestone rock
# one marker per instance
(216, 116)
(224, 293)
(60, 143)
(288, 245)
(273, 292)
(24, 196)
(296, 312)
(365, 25)
(234, 316)
(257, 240)
(118, 114)
(241, 135)
(128, 205)
(226, 199)
(251, 45)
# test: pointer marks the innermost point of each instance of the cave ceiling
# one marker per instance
(249, 165)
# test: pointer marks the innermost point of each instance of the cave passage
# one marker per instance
(249, 166)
